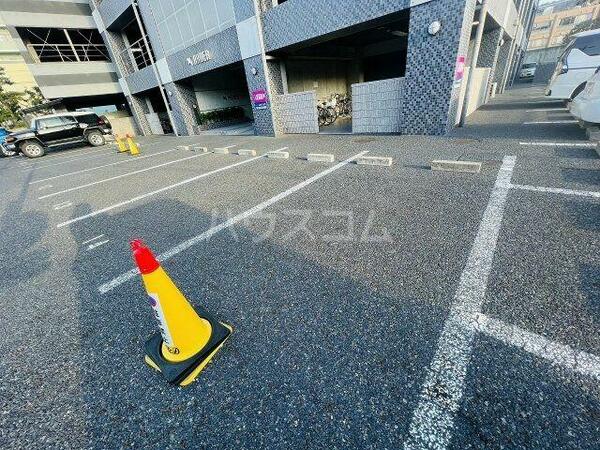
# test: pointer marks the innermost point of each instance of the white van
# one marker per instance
(575, 66)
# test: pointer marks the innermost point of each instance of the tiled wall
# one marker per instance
(299, 20)
(431, 95)
(377, 106)
(297, 113)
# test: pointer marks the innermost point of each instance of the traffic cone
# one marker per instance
(134, 150)
(122, 148)
(188, 339)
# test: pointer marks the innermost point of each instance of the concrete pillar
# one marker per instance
(182, 99)
(432, 94)
(139, 110)
(262, 75)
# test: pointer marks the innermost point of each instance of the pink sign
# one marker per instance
(259, 98)
(460, 68)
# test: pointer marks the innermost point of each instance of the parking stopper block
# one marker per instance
(188, 338)
(320, 157)
(221, 151)
(199, 148)
(374, 161)
(278, 155)
(246, 152)
(456, 166)
(183, 147)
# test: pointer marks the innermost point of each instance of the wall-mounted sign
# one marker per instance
(260, 98)
(199, 58)
(459, 73)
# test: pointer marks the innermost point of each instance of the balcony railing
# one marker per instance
(135, 57)
(68, 52)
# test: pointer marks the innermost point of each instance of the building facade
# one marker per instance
(552, 26)
(13, 63)
(63, 51)
(271, 67)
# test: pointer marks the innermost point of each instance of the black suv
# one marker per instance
(56, 130)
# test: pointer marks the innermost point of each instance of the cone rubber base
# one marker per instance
(184, 372)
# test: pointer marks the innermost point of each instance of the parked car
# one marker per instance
(528, 70)
(575, 66)
(586, 106)
(57, 130)
(3, 134)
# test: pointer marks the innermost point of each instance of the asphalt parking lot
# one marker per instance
(372, 307)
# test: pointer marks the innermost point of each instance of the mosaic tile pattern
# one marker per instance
(488, 54)
(431, 95)
(223, 47)
(244, 9)
(263, 118)
(139, 110)
(377, 106)
(297, 113)
(142, 80)
(299, 20)
(182, 98)
(110, 10)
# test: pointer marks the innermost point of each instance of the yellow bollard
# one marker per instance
(134, 150)
(122, 148)
(188, 339)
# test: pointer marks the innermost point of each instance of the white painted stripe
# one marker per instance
(560, 144)
(524, 187)
(97, 244)
(46, 186)
(433, 420)
(228, 223)
(62, 205)
(67, 161)
(558, 354)
(128, 174)
(93, 239)
(158, 191)
(138, 158)
(548, 122)
(63, 154)
(547, 110)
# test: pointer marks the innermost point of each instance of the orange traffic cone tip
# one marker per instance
(188, 337)
(144, 258)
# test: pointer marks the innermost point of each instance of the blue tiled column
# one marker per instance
(431, 99)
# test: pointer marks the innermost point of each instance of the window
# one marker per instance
(542, 25)
(590, 45)
(50, 122)
(182, 23)
(558, 40)
(583, 18)
(567, 21)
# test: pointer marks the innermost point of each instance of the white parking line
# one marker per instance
(525, 187)
(158, 191)
(550, 122)
(560, 144)
(138, 158)
(546, 110)
(128, 174)
(62, 205)
(107, 287)
(67, 161)
(558, 354)
(93, 239)
(433, 419)
(97, 244)
(61, 155)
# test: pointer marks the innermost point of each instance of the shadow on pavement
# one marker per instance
(316, 359)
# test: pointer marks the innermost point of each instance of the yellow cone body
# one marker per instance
(184, 333)
(133, 147)
(120, 144)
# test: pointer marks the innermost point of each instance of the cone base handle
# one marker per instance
(184, 372)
